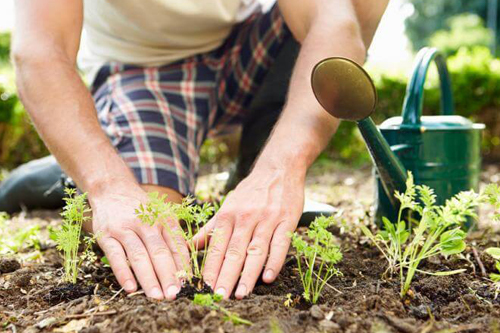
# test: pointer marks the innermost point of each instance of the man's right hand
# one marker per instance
(154, 254)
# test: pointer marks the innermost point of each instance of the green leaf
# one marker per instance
(105, 261)
(367, 232)
(452, 242)
(494, 252)
(203, 299)
(495, 277)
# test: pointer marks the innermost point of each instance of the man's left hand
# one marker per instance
(254, 221)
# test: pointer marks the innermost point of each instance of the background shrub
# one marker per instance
(463, 31)
(4, 46)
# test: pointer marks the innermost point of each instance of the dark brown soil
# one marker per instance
(196, 286)
(32, 298)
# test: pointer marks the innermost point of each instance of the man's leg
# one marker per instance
(264, 111)
(172, 195)
(156, 118)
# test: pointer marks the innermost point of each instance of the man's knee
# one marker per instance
(172, 195)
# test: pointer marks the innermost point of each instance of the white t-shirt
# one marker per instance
(155, 32)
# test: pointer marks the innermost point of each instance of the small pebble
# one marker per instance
(316, 312)
(46, 322)
(9, 265)
(328, 326)
(419, 312)
(31, 329)
(91, 329)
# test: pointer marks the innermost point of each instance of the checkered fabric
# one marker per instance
(158, 117)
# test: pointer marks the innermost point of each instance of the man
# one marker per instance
(164, 74)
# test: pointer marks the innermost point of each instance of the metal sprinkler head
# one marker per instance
(344, 89)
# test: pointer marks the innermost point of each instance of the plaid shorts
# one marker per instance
(158, 117)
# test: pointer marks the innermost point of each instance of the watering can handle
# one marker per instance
(412, 107)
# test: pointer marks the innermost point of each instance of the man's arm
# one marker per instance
(256, 218)
(46, 42)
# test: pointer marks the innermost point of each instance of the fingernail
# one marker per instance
(156, 293)
(268, 275)
(172, 291)
(129, 286)
(241, 291)
(221, 291)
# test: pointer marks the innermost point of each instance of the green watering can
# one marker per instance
(443, 152)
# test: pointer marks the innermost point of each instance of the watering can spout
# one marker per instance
(347, 92)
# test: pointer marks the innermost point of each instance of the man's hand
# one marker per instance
(154, 254)
(254, 221)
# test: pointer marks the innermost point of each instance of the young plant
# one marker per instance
(495, 253)
(437, 230)
(159, 210)
(15, 241)
(316, 262)
(68, 236)
(210, 301)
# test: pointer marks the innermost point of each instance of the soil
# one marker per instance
(33, 299)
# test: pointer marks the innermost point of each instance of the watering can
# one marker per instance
(442, 152)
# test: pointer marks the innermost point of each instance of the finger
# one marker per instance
(178, 247)
(141, 264)
(162, 259)
(203, 235)
(278, 251)
(118, 262)
(256, 258)
(217, 250)
(233, 260)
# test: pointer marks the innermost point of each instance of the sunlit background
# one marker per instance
(390, 47)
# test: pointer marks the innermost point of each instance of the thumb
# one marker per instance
(203, 235)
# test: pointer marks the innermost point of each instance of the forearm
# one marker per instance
(63, 112)
(305, 128)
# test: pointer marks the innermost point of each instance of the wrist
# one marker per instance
(99, 188)
(293, 168)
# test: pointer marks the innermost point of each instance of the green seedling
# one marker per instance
(434, 230)
(159, 210)
(211, 301)
(18, 240)
(67, 238)
(495, 253)
(492, 196)
(495, 277)
(316, 262)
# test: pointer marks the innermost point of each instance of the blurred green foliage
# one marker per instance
(19, 142)
(4, 46)
(430, 16)
(465, 30)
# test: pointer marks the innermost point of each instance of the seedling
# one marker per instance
(492, 195)
(16, 241)
(211, 301)
(74, 214)
(158, 210)
(495, 253)
(316, 262)
(437, 230)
